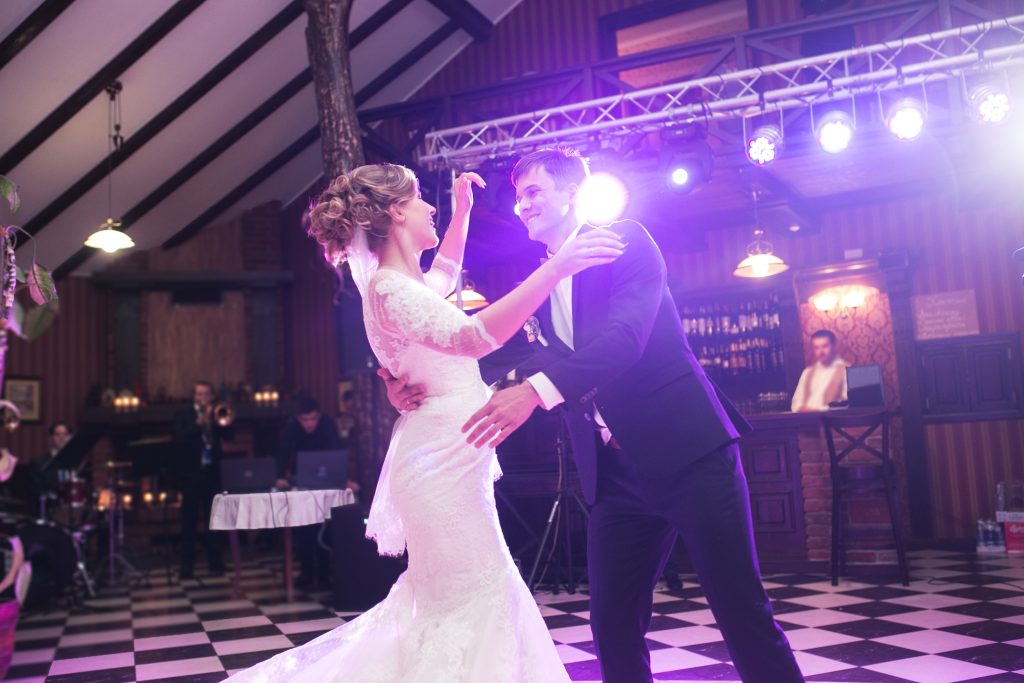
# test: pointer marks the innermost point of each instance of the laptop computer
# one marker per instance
(322, 469)
(864, 387)
(248, 475)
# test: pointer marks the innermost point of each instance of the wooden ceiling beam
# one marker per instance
(97, 83)
(469, 18)
(167, 116)
(27, 30)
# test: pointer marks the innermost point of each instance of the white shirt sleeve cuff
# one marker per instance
(549, 394)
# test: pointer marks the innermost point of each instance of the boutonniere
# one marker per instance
(532, 329)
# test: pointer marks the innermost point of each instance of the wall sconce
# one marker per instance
(842, 301)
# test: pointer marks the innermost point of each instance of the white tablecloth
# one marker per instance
(276, 509)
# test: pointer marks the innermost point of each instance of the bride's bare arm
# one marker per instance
(507, 315)
(453, 246)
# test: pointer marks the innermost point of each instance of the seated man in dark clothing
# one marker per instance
(309, 430)
(46, 473)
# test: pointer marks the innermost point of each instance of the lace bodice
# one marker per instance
(414, 331)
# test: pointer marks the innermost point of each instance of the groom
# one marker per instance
(654, 440)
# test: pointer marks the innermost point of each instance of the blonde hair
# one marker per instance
(359, 200)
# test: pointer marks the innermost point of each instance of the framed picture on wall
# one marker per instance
(24, 392)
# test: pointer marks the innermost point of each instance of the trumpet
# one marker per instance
(222, 414)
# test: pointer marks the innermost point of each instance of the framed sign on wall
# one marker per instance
(24, 392)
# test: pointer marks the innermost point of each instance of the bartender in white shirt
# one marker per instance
(824, 382)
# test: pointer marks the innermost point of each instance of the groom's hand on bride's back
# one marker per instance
(402, 395)
(503, 414)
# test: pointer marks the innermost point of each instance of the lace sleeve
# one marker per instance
(443, 275)
(407, 311)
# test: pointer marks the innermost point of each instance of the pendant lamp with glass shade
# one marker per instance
(466, 297)
(110, 237)
(761, 260)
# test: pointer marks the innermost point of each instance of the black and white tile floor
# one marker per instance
(961, 619)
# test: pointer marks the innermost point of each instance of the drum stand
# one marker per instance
(115, 546)
(559, 519)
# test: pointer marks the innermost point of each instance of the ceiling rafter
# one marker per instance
(95, 85)
(375, 21)
(469, 18)
(167, 116)
(364, 94)
(27, 30)
(204, 85)
(197, 164)
(405, 62)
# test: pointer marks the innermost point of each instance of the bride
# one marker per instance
(461, 612)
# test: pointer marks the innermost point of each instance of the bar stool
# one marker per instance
(860, 476)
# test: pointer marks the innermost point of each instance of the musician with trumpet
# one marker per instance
(199, 431)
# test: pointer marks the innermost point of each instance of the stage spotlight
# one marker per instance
(834, 131)
(906, 119)
(602, 198)
(990, 103)
(679, 176)
(764, 145)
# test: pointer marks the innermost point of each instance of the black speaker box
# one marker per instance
(362, 578)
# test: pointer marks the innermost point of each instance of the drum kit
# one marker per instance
(57, 541)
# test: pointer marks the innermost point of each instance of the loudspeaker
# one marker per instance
(362, 578)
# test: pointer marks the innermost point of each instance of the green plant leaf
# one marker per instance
(39, 319)
(16, 319)
(40, 285)
(10, 192)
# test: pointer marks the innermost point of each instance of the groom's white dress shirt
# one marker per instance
(561, 321)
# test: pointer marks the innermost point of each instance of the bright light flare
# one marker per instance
(602, 198)
(764, 145)
(834, 132)
(906, 119)
(990, 103)
(679, 176)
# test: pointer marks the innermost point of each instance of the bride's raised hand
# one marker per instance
(592, 248)
(462, 191)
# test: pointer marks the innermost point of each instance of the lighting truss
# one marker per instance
(917, 60)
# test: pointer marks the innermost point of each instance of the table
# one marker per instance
(232, 512)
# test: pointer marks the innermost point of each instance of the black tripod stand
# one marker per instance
(559, 521)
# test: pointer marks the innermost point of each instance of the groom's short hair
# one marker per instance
(563, 164)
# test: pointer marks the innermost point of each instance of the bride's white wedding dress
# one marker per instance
(461, 613)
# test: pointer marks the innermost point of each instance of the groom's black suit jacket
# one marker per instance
(632, 361)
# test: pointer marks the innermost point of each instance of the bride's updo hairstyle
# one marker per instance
(359, 200)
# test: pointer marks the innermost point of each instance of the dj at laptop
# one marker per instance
(309, 430)
(312, 455)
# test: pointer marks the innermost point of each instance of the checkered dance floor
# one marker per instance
(961, 619)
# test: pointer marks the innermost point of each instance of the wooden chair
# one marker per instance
(862, 475)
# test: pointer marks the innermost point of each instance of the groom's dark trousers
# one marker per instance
(673, 468)
(630, 537)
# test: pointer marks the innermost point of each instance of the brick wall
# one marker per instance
(865, 515)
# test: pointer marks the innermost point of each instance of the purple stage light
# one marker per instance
(990, 103)
(906, 119)
(834, 131)
(764, 145)
(602, 198)
(679, 176)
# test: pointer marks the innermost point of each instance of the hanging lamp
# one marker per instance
(109, 237)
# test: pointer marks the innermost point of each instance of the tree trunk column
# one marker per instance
(327, 43)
